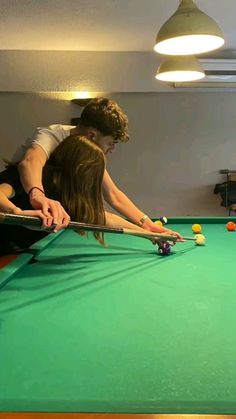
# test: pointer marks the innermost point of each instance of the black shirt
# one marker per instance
(16, 238)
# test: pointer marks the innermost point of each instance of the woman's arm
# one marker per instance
(6, 193)
(113, 220)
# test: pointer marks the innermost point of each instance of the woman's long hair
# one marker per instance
(77, 166)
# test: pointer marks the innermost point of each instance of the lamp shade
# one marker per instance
(179, 69)
(188, 31)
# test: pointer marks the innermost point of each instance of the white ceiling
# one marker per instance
(97, 25)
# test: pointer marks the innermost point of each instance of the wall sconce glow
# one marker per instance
(188, 31)
(179, 69)
(83, 95)
(57, 95)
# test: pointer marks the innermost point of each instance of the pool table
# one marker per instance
(120, 329)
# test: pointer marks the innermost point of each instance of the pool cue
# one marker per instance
(29, 221)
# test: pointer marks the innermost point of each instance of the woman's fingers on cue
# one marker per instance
(178, 236)
(35, 213)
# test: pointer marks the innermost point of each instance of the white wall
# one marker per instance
(54, 71)
(179, 141)
(22, 113)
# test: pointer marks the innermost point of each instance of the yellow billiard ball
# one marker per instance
(196, 228)
(159, 223)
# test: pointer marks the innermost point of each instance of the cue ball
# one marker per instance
(164, 248)
(200, 239)
(230, 226)
(163, 220)
(196, 228)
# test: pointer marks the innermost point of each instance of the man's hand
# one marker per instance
(53, 212)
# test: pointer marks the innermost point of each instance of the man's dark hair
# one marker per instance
(107, 117)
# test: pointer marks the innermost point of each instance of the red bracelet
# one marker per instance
(35, 187)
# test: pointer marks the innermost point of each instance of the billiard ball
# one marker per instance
(164, 248)
(196, 228)
(230, 226)
(200, 239)
(163, 220)
(159, 223)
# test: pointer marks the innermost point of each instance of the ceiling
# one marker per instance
(97, 25)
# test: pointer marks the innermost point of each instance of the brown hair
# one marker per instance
(107, 117)
(77, 166)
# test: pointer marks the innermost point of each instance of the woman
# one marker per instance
(73, 175)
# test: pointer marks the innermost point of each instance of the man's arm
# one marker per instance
(122, 204)
(30, 170)
(31, 167)
(119, 201)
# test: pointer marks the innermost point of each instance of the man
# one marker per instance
(102, 121)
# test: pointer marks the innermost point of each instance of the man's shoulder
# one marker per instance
(57, 131)
(58, 127)
(62, 126)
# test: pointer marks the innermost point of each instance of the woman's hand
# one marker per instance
(155, 228)
(47, 221)
(174, 233)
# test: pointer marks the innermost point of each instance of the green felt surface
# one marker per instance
(122, 329)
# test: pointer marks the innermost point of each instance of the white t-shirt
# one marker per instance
(48, 138)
